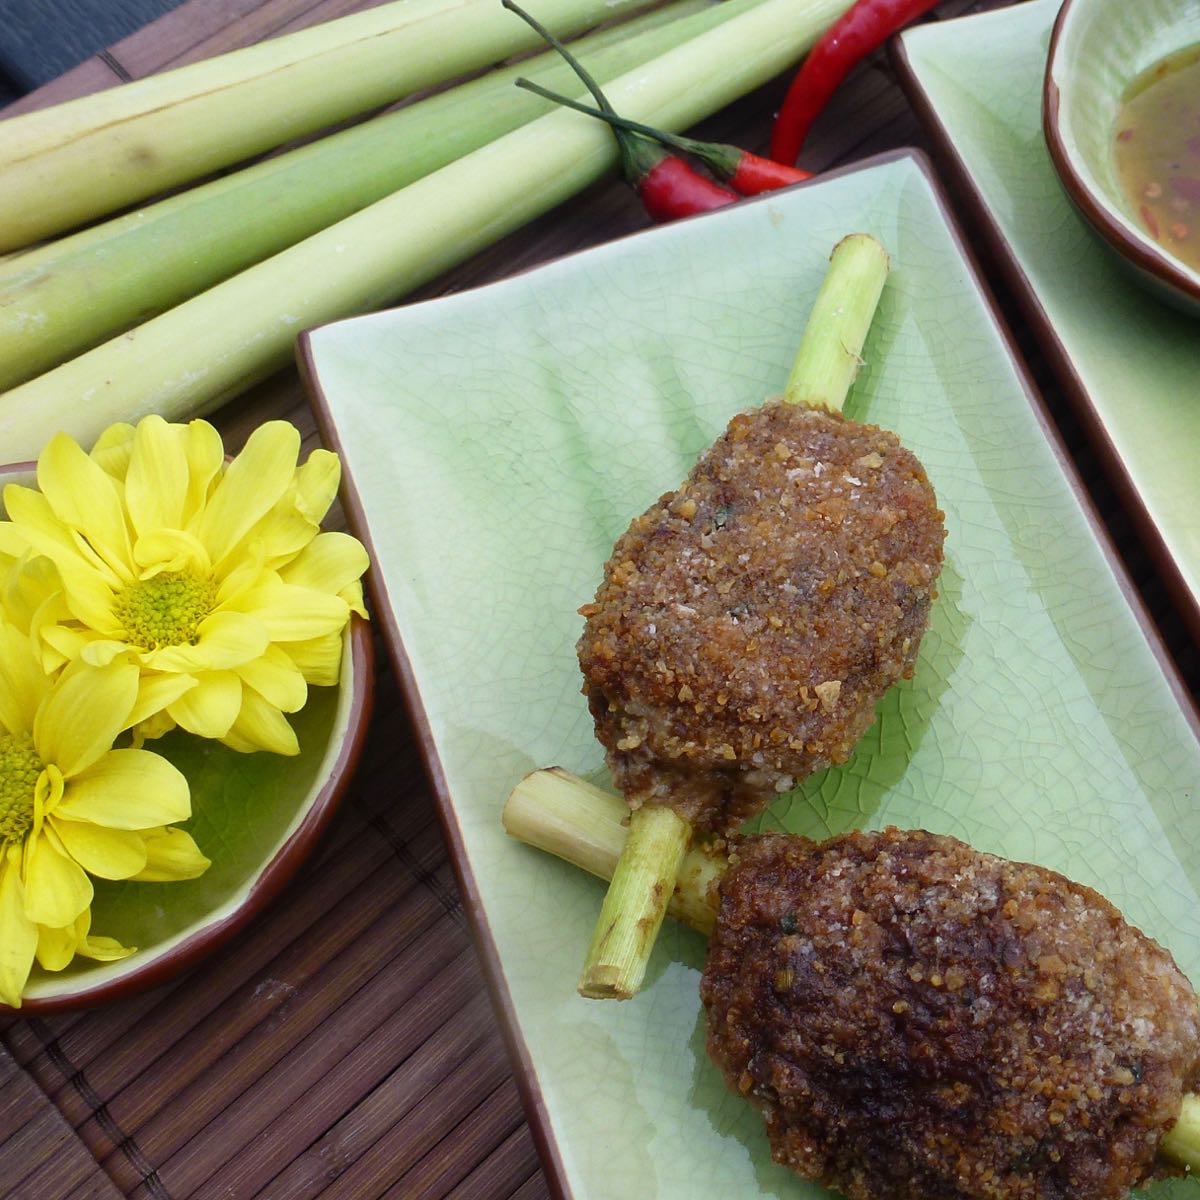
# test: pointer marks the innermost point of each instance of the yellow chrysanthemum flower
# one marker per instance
(212, 577)
(72, 806)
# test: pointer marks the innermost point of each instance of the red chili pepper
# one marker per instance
(745, 172)
(669, 187)
(853, 36)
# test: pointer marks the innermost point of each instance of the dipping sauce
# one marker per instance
(1158, 152)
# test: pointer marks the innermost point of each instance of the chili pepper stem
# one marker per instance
(721, 158)
(646, 873)
(830, 350)
(581, 824)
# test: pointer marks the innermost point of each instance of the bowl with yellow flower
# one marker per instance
(185, 677)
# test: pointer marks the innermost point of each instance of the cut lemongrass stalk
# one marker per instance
(821, 376)
(67, 296)
(586, 826)
(830, 352)
(192, 358)
(79, 160)
(581, 824)
(635, 903)
(1181, 1143)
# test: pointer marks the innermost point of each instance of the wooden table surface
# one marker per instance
(344, 1045)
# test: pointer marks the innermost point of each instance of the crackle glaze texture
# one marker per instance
(1135, 360)
(501, 440)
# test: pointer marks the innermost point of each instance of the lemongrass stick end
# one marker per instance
(830, 352)
(635, 904)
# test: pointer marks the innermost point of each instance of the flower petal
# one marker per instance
(317, 482)
(80, 718)
(226, 640)
(18, 935)
(88, 597)
(156, 692)
(171, 550)
(261, 726)
(56, 947)
(31, 585)
(103, 949)
(86, 499)
(156, 483)
(250, 487)
(171, 854)
(127, 789)
(105, 853)
(327, 564)
(293, 614)
(23, 684)
(319, 660)
(56, 889)
(277, 679)
(211, 707)
(114, 448)
(206, 457)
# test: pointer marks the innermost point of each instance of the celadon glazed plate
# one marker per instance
(496, 442)
(1129, 362)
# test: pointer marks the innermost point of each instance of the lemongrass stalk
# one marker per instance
(73, 162)
(555, 811)
(1181, 1143)
(821, 375)
(586, 826)
(830, 352)
(67, 296)
(635, 904)
(202, 352)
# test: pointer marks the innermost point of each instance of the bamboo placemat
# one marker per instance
(344, 1045)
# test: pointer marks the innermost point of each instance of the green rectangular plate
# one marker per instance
(497, 441)
(1130, 364)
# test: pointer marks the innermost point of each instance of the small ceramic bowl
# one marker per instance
(256, 816)
(1098, 48)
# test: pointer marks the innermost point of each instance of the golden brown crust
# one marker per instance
(748, 622)
(919, 1021)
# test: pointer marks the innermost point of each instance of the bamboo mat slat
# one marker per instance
(298, 1086)
(506, 1170)
(40, 1155)
(490, 1122)
(372, 1106)
(164, 1120)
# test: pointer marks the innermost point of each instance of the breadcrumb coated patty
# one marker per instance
(918, 1021)
(748, 622)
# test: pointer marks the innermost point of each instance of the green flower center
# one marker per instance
(165, 610)
(20, 768)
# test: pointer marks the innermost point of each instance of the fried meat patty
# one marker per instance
(920, 1021)
(748, 622)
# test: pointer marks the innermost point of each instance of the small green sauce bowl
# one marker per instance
(1097, 49)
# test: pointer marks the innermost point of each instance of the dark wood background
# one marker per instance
(344, 1045)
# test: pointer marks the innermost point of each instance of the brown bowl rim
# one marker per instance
(1139, 251)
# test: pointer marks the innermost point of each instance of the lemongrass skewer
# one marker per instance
(826, 363)
(574, 820)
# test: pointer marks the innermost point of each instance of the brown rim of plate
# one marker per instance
(526, 1078)
(273, 878)
(1001, 255)
(1141, 252)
